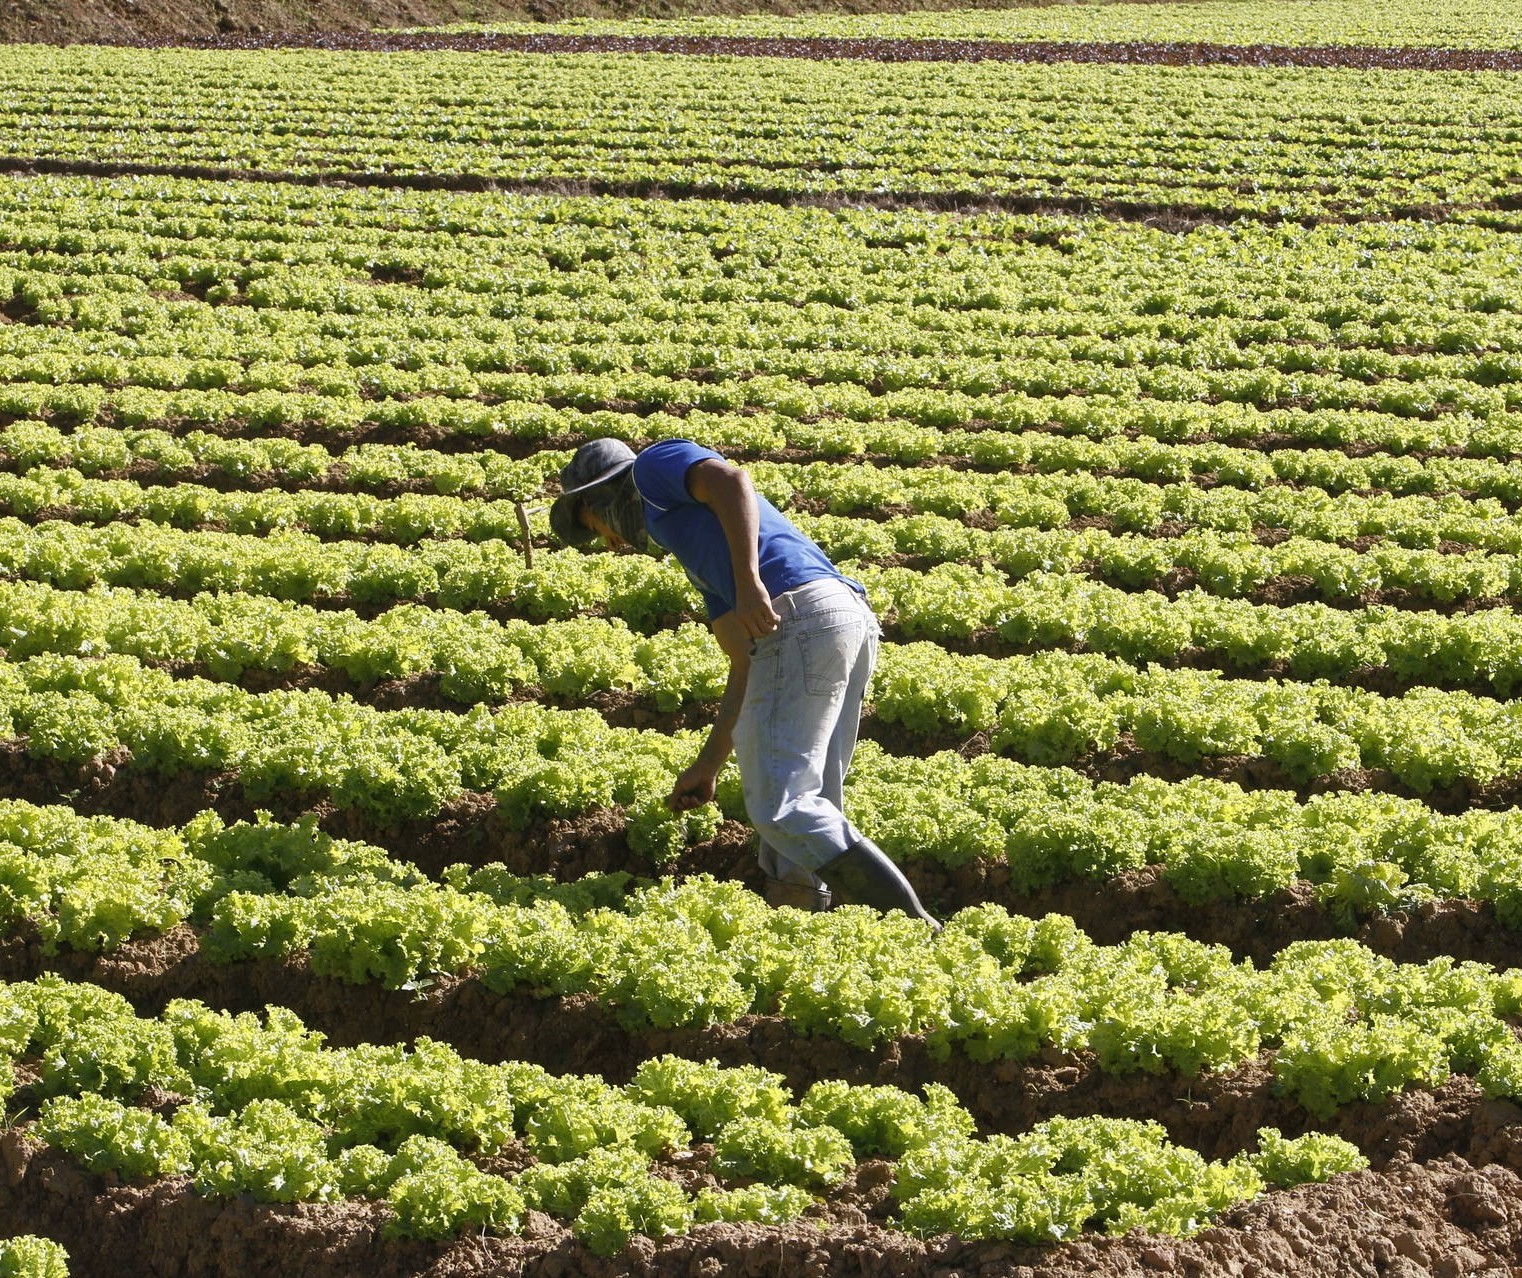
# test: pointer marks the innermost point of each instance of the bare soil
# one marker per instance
(1216, 1114)
(1443, 1218)
(1136, 52)
(67, 21)
(471, 829)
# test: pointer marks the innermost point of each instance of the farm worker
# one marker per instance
(801, 643)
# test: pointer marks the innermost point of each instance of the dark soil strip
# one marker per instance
(1132, 52)
(1276, 591)
(1458, 1218)
(630, 710)
(472, 830)
(1171, 217)
(1119, 763)
(150, 474)
(1217, 1114)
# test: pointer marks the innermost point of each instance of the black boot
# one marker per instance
(800, 896)
(864, 875)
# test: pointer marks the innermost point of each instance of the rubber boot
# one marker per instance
(864, 875)
(801, 896)
(782, 880)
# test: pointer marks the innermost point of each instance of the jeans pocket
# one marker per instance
(767, 646)
(827, 654)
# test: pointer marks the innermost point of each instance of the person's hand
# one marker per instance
(754, 611)
(693, 788)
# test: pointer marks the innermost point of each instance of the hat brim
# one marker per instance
(563, 521)
(613, 472)
(569, 530)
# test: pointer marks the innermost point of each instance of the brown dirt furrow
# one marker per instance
(518, 448)
(631, 710)
(1132, 52)
(1180, 217)
(1218, 1114)
(986, 521)
(1447, 1217)
(1276, 591)
(472, 830)
(150, 475)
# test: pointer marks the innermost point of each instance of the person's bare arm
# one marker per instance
(696, 785)
(727, 491)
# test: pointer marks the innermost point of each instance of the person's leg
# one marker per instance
(848, 723)
(792, 749)
(800, 680)
(787, 882)
(862, 874)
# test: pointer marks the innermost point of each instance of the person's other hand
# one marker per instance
(754, 611)
(693, 788)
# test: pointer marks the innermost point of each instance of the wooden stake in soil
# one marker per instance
(528, 540)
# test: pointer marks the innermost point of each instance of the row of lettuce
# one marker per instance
(905, 427)
(1340, 1022)
(297, 565)
(261, 1107)
(1195, 138)
(1232, 541)
(306, 745)
(154, 455)
(890, 328)
(1405, 24)
(1047, 708)
(1011, 500)
(1048, 825)
(477, 658)
(881, 393)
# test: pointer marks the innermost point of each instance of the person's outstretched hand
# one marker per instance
(693, 788)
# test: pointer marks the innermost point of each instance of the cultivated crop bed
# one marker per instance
(1170, 415)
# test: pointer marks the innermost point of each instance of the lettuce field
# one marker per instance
(1158, 368)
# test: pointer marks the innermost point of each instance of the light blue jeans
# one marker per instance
(797, 727)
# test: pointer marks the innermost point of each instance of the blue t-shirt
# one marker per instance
(687, 528)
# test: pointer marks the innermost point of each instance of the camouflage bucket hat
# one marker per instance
(597, 462)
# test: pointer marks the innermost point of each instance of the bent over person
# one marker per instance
(801, 643)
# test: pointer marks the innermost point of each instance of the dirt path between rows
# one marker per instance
(1218, 1114)
(1130, 52)
(1446, 1218)
(1179, 217)
(472, 830)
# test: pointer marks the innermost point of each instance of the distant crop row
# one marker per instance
(456, 574)
(154, 454)
(1040, 501)
(1227, 140)
(891, 330)
(1413, 23)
